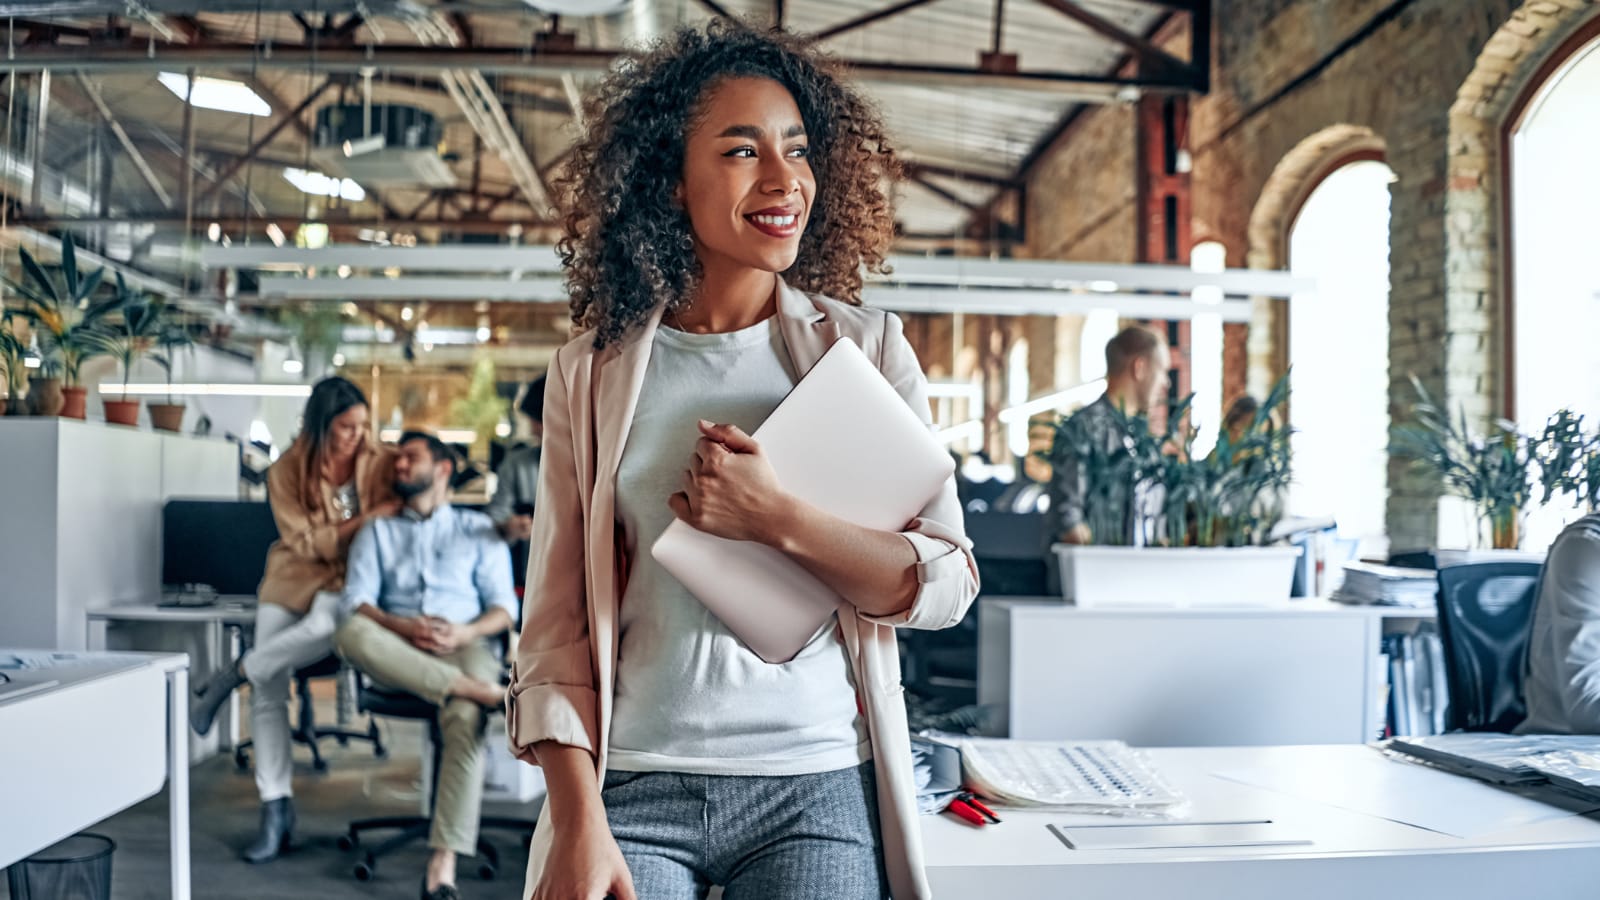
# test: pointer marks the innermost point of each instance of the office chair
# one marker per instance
(378, 700)
(1485, 616)
(306, 730)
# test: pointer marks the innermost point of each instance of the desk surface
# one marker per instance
(1298, 607)
(30, 673)
(225, 610)
(1021, 857)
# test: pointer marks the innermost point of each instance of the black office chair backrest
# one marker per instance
(1485, 613)
(221, 543)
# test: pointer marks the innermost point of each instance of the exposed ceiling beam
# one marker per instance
(715, 9)
(92, 91)
(523, 61)
(120, 7)
(190, 27)
(987, 178)
(293, 116)
(1153, 60)
(464, 225)
(944, 194)
(866, 19)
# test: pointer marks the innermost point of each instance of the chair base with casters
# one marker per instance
(381, 701)
(307, 731)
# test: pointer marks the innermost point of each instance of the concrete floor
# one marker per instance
(224, 812)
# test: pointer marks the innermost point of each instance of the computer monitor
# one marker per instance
(220, 543)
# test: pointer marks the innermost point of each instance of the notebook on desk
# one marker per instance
(844, 441)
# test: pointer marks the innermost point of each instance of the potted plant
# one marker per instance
(61, 315)
(127, 336)
(13, 367)
(1569, 460)
(1491, 470)
(1215, 513)
(170, 338)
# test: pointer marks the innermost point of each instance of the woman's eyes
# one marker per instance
(750, 152)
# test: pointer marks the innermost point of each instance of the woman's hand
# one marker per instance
(585, 864)
(730, 490)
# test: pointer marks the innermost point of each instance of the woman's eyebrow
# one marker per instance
(755, 132)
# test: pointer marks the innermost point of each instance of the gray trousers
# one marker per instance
(803, 837)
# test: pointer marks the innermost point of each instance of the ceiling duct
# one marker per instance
(381, 145)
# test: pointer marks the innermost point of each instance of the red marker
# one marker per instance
(960, 808)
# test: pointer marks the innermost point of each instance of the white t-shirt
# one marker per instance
(690, 696)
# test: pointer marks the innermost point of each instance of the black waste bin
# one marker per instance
(78, 868)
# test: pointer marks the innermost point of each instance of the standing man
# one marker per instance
(424, 591)
(1137, 361)
(511, 508)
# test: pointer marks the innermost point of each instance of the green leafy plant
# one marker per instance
(482, 409)
(13, 355)
(128, 332)
(1228, 498)
(1493, 470)
(1568, 460)
(62, 313)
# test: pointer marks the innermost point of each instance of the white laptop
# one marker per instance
(845, 442)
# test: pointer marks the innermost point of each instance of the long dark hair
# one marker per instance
(330, 398)
(628, 246)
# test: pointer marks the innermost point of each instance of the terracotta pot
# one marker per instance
(166, 416)
(74, 402)
(45, 394)
(5, 403)
(1505, 529)
(122, 412)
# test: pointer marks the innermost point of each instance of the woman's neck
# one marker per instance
(338, 471)
(728, 300)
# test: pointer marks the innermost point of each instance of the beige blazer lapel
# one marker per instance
(807, 331)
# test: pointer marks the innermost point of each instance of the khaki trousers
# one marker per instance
(393, 661)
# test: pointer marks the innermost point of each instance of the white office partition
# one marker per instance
(1302, 674)
(80, 522)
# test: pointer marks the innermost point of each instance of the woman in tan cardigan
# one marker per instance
(330, 481)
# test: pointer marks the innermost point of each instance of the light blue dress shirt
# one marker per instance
(453, 565)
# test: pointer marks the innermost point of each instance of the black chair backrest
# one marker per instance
(221, 543)
(1485, 614)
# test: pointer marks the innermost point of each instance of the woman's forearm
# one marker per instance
(571, 788)
(874, 570)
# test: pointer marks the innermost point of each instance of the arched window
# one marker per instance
(1339, 352)
(1553, 321)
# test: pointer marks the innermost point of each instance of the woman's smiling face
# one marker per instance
(747, 182)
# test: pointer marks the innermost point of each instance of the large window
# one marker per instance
(1556, 260)
(1339, 352)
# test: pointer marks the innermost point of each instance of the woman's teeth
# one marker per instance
(774, 220)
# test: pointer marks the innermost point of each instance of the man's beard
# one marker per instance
(408, 489)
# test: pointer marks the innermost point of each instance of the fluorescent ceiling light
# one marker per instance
(1081, 394)
(217, 93)
(324, 186)
(954, 389)
(157, 389)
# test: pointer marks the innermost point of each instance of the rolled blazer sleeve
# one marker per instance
(552, 694)
(947, 573)
(296, 530)
(1573, 576)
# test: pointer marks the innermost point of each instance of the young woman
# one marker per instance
(330, 481)
(722, 208)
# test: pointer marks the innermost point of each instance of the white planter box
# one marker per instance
(1175, 577)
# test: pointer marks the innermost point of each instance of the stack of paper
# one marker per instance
(1369, 584)
(1092, 776)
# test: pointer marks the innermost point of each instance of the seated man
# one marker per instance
(1563, 670)
(423, 590)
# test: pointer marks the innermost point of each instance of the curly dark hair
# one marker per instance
(628, 247)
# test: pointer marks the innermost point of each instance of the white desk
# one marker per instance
(211, 635)
(1352, 853)
(1306, 672)
(88, 735)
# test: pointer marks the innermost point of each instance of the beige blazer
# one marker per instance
(563, 674)
(309, 554)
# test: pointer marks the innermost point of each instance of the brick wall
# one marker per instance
(1429, 82)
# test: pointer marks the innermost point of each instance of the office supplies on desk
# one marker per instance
(1569, 762)
(843, 441)
(1091, 776)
